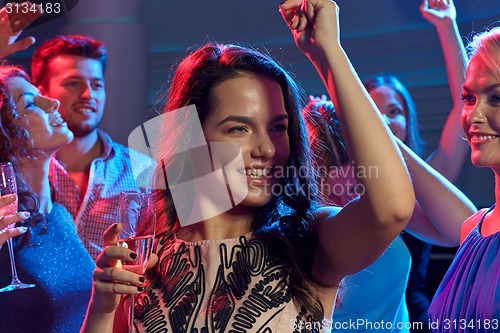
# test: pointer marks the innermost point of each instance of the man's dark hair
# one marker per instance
(72, 45)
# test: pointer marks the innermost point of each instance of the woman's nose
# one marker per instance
(476, 114)
(263, 147)
(50, 104)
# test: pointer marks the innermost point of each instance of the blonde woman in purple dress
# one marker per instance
(468, 299)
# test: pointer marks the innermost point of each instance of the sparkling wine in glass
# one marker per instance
(8, 185)
(136, 208)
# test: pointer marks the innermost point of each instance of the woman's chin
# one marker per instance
(256, 200)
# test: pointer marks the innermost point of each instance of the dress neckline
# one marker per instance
(480, 224)
(205, 242)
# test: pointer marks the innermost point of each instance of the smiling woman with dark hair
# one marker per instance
(272, 262)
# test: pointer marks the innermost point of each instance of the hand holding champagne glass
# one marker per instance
(136, 208)
(7, 219)
(8, 185)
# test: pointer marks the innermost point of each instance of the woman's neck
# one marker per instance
(497, 194)
(228, 225)
(36, 176)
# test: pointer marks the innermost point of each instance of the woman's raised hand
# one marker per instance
(435, 11)
(12, 23)
(313, 23)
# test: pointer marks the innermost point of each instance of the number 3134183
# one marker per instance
(25, 8)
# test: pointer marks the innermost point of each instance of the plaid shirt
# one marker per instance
(109, 175)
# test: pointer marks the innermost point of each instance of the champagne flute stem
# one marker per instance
(131, 314)
(15, 278)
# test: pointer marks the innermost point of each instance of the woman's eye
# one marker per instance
(29, 104)
(468, 99)
(495, 99)
(395, 112)
(280, 128)
(72, 84)
(237, 129)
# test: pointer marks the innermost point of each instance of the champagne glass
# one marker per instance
(8, 185)
(136, 208)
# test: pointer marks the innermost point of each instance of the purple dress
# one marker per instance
(468, 298)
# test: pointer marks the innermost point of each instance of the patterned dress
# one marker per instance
(231, 285)
(468, 298)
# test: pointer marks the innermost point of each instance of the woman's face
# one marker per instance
(480, 116)
(391, 106)
(40, 116)
(249, 111)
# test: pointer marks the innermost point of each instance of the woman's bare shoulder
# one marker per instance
(471, 222)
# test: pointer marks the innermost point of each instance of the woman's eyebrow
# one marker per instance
(238, 119)
(485, 90)
(24, 94)
(250, 120)
(280, 118)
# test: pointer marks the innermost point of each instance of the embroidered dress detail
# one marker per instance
(232, 285)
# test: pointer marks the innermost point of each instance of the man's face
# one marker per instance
(78, 83)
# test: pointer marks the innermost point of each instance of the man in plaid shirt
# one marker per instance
(91, 171)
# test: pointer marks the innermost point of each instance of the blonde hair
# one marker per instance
(487, 46)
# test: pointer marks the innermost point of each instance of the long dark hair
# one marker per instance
(16, 142)
(413, 139)
(283, 224)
